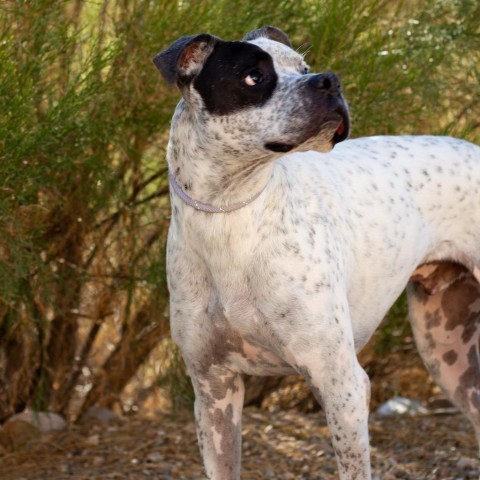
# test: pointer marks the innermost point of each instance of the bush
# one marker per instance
(83, 199)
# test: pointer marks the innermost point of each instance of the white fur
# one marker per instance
(298, 280)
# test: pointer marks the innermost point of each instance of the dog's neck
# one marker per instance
(204, 174)
(207, 207)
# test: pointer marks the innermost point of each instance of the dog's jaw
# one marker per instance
(322, 136)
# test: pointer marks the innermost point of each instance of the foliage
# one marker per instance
(84, 124)
(394, 329)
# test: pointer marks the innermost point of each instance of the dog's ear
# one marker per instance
(273, 33)
(185, 57)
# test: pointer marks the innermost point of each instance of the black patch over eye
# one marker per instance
(236, 75)
(253, 78)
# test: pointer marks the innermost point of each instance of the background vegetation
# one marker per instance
(83, 194)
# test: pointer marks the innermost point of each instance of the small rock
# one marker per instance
(400, 406)
(154, 457)
(44, 421)
(267, 473)
(63, 467)
(442, 406)
(99, 414)
(93, 439)
(17, 433)
(466, 463)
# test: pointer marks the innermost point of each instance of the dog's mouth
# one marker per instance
(279, 147)
(341, 133)
(331, 132)
(336, 128)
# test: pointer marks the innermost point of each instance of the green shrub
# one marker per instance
(83, 129)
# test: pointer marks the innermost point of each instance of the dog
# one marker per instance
(288, 245)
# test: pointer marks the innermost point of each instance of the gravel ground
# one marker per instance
(276, 445)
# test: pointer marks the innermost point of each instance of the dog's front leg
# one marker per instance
(346, 401)
(218, 411)
(200, 330)
(343, 389)
(345, 397)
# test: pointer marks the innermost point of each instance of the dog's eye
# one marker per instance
(254, 78)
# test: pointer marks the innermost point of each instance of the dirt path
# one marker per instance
(280, 445)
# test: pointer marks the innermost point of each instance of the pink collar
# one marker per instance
(205, 207)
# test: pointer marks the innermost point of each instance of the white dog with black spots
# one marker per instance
(284, 255)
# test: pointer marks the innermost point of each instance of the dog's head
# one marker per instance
(256, 95)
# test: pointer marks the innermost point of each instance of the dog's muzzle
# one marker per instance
(324, 113)
(328, 85)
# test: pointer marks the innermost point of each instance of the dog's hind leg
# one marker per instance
(444, 305)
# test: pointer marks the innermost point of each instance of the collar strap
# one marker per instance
(206, 207)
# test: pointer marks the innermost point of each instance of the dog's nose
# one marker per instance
(328, 83)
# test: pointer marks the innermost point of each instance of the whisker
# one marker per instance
(308, 48)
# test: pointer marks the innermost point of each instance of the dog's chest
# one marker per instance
(268, 268)
(327, 227)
